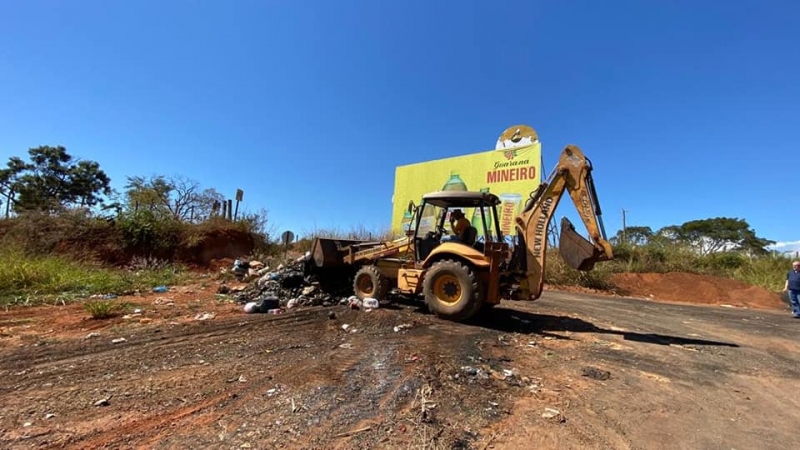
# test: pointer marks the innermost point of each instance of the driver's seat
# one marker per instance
(470, 234)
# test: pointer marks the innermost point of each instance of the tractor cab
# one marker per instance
(433, 220)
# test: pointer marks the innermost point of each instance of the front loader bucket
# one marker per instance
(329, 252)
(574, 249)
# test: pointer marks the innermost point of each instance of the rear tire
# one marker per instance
(452, 291)
(369, 282)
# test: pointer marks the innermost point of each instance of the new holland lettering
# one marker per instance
(539, 228)
(511, 174)
(585, 206)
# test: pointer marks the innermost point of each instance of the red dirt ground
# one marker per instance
(696, 289)
(194, 371)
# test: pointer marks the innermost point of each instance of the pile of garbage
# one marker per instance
(287, 287)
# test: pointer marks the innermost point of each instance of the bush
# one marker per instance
(767, 271)
(146, 235)
(558, 273)
(103, 309)
(724, 262)
(72, 232)
(79, 236)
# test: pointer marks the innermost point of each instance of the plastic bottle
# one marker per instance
(406, 222)
(454, 183)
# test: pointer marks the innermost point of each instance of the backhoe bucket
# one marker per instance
(574, 249)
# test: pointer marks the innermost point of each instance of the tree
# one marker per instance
(721, 233)
(52, 180)
(635, 235)
(9, 177)
(175, 197)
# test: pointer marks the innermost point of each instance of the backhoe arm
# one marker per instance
(573, 173)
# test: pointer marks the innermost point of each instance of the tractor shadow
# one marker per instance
(516, 321)
(508, 320)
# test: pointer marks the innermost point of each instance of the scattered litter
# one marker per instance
(266, 304)
(727, 306)
(103, 401)
(413, 358)
(371, 303)
(240, 268)
(137, 311)
(160, 289)
(470, 370)
(288, 285)
(93, 334)
(354, 302)
(297, 408)
(595, 373)
(49, 416)
(118, 340)
(308, 290)
(345, 326)
(204, 316)
(550, 413)
(109, 296)
(27, 424)
(346, 345)
(350, 433)
(401, 326)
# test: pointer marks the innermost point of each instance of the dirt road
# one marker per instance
(566, 371)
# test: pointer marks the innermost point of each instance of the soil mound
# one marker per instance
(696, 289)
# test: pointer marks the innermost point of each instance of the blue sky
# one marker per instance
(687, 108)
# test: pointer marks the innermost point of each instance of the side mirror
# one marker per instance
(411, 206)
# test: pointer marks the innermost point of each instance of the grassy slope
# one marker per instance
(28, 279)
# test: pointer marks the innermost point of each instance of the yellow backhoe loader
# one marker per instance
(460, 278)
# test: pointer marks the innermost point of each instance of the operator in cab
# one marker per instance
(459, 224)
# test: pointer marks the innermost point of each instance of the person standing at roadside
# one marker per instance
(793, 286)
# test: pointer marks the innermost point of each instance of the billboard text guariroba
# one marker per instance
(510, 173)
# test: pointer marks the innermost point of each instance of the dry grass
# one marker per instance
(27, 279)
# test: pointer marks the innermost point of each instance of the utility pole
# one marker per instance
(624, 237)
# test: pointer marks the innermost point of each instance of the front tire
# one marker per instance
(369, 282)
(452, 291)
